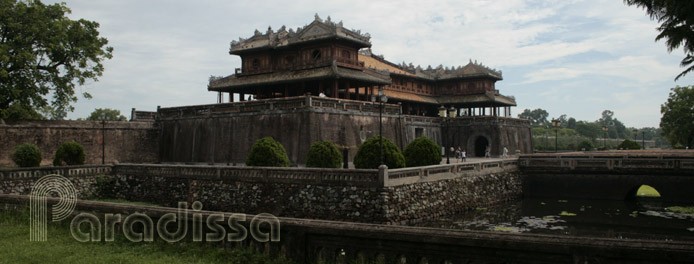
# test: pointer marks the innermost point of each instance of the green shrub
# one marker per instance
(628, 144)
(268, 153)
(71, 153)
(422, 152)
(27, 155)
(587, 145)
(323, 154)
(368, 155)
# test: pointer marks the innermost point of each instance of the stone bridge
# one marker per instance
(613, 175)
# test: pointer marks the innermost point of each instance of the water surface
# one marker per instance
(639, 219)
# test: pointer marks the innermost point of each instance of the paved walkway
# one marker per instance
(475, 159)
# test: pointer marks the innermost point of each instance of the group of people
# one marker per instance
(461, 154)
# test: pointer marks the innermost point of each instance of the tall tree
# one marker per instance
(571, 123)
(537, 117)
(677, 122)
(676, 19)
(45, 54)
(106, 114)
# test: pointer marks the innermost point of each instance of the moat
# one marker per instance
(645, 218)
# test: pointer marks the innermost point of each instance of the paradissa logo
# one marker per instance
(139, 227)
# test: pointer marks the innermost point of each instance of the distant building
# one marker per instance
(327, 58)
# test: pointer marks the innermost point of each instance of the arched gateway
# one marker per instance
(481, 144)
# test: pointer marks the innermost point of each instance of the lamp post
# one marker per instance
(604, 137)
(636, 133)
(555, 125)
(103, 138)
(442, 113)
(382, 98)
(451, 113)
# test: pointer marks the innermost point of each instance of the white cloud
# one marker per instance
(559, 51)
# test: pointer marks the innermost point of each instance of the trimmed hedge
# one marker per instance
(323, 154)
(422, 152)
(368, 155)
(27, 155)
(267, 152)
(587, 145)
(72, 153)
(628, 144)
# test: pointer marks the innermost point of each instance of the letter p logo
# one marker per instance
(38, 213)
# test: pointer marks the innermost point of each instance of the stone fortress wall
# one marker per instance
(125, 141)
(225, 133)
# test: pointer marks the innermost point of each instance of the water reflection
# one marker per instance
(639, 219)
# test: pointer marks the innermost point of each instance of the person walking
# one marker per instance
(486, 152)
(458, 153)
(505, 155)
(463, 155)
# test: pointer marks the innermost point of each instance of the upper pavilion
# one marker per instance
(326, 58)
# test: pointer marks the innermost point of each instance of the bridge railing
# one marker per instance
(352, 177)
(607, 161)
(37, 172)
(394, 177)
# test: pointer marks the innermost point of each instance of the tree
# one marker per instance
(589, 129)
(70, 153)
(45, 54)
(677, 122)
(323, 154)
(106, 114)
(563, 121)
(585, 145)
(27, 155)
(422, 152)
(19, 112)
(267, 152)
(368, 155)
(628, 144)
(571, 123)
(537, 117)
(677, 26)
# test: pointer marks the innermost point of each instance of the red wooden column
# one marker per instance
(348, 95)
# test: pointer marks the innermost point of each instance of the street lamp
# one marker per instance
(382, 98)
(635, 132)
(555, 125)
(103, 138)
(443, 113)
(604, 137)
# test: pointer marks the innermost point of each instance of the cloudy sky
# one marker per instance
(566, 56)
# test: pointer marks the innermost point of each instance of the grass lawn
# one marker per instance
(61, 247)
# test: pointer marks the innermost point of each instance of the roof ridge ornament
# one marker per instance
(317, 18)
